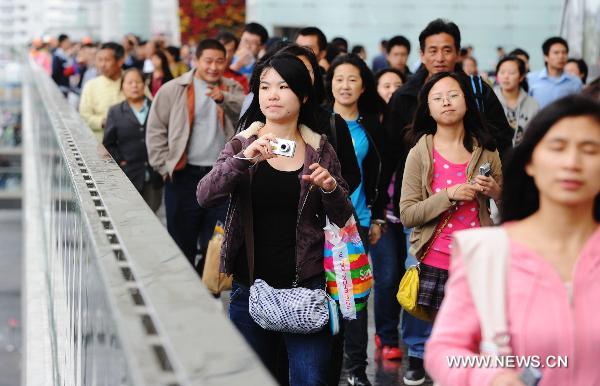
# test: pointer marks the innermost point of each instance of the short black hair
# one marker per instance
(398, 40)
(340, 43)
(520, 65)
(520, 195)
(439, 26)
(381, 73)
(174, 52)
(209, 44)
(519, 51)
(62, 38)
(226, 37)
(357, 49)
(369, 102)
(552, 41)
(314, 31)
(128, 71)
(583, 67)
(116, 48)
(257, 29)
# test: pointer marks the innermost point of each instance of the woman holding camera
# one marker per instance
(274, 226)
(442, 191)
(551, 227)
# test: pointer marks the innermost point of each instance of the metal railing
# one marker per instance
(109, 298)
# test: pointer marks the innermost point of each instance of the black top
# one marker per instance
(342, 145)
(275, 199)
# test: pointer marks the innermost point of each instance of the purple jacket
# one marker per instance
(232, 177)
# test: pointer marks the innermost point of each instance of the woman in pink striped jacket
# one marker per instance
(551, 214)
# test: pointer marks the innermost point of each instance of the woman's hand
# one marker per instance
(507, 378)
(320, 177)
(260, 149)
(375, 232)
(489, 187)
(463, 192)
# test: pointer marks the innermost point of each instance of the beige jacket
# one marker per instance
(420, 208)
(172, 111)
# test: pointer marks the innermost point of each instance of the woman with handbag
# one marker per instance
(125, 138)
(546, 306)
(352, 92)
(274, 226)
(441, 189)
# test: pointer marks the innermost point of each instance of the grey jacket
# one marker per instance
(527, 107)
(168, 131)
(232, 177)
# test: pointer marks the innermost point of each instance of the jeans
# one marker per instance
(415, 332)
(387, 256)
(187, 222)
(308, 354)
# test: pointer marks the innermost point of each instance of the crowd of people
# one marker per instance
(417, 158)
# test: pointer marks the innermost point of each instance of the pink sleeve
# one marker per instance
(456, 333)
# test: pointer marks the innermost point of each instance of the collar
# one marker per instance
(310, 137)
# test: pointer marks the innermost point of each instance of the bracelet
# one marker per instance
(332, 190)
(244, 158)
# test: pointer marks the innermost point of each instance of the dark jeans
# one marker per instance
(387, 257)
(308, 354)
(352, 340)
(187, 222)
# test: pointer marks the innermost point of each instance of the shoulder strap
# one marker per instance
(477, 86)
(485, 253)
(333, 131)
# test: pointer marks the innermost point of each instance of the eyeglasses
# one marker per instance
(438, 99)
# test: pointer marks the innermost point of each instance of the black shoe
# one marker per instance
(358, 378)
(415, 374)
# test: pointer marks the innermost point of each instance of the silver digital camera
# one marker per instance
(284, 147)
(485, 169)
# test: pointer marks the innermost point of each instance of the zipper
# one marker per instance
(228, 220)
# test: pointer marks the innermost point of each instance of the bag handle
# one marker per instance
(485, 253)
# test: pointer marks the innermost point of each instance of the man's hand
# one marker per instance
(215, 93)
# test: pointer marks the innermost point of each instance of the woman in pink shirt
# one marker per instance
(551, 215)
(442, 191)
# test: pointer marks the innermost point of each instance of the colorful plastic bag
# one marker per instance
(347, 268)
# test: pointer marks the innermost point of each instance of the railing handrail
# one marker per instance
(172, 331)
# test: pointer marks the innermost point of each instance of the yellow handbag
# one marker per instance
(408, 291)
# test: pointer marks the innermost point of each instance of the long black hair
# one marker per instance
(369, 102)
(475, 127)
(520, 196)
(164, 63)
(295, 74)
(520, 65)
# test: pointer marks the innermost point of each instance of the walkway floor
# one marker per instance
(10, 296)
